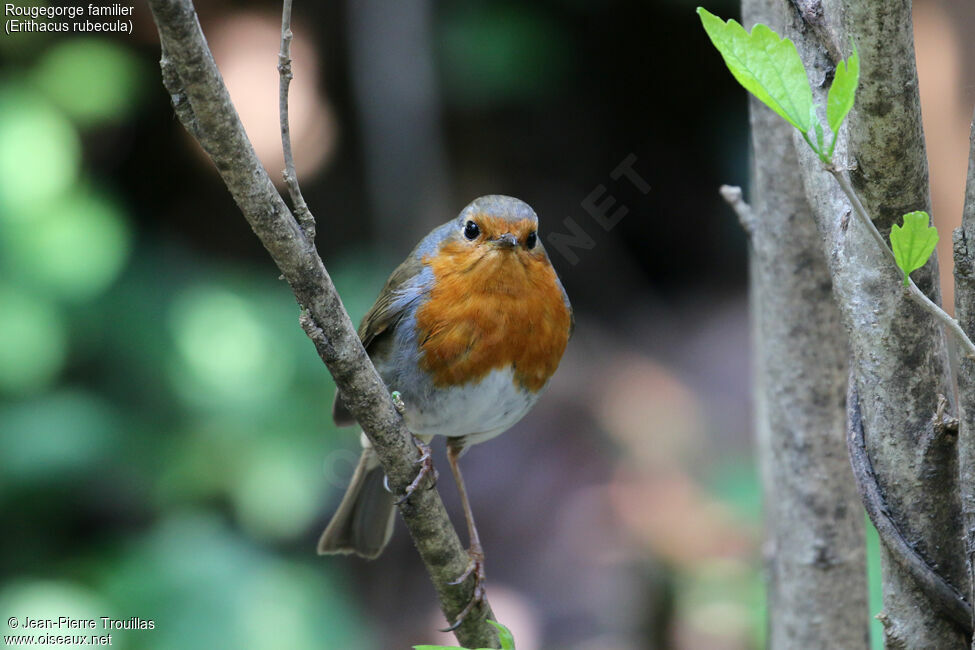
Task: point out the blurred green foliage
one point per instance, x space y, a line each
40 151
93 81
32 341
497 54
70 247
162 440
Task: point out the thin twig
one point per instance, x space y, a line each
732 196
302 213
942 594
918 296
860 211
912 289
192 78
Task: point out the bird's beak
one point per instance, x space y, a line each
506 240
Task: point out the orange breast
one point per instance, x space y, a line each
491 309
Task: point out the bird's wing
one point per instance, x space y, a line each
380 320
389 306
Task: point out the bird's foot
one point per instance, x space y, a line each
398 402
475 568
425 461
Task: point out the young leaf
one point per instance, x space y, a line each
913 242
767 66
839 101
504 634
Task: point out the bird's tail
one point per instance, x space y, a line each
363 523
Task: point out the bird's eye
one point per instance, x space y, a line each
531 240
471 231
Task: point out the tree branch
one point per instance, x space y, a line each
912 289
746 217
948 600
203 105
302 213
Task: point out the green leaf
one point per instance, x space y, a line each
839 101
504 634
913 242
767 66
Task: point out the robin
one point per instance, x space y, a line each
468 330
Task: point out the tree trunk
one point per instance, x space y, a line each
964 249
899 352
814 548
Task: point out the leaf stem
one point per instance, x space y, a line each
832 145
805 136
918 296
912 289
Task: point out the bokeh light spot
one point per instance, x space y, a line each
226 351
240 43
498 54
301 603
50 438
209 588
40 152
75 247
33 342
50 600
92 80
277 496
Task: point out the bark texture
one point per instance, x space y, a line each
814 549
899 352
203 105
964 249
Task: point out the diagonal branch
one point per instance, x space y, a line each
912 290
203 105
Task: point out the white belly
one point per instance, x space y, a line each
479 410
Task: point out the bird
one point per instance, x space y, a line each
467 331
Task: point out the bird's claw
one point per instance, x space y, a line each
425 461
475 568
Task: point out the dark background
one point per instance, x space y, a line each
167 450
